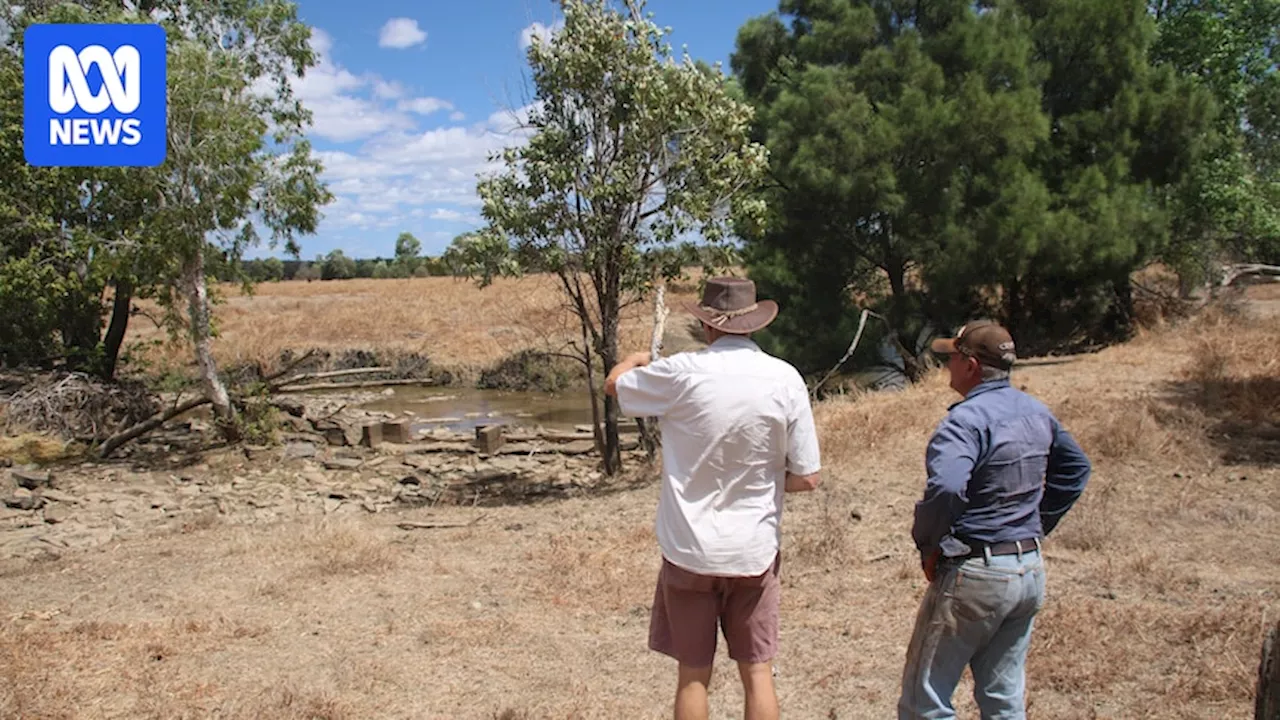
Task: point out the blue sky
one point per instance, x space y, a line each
410 97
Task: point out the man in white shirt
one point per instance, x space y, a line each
737 432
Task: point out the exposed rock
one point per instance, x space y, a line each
60 497
298 450
342 463
22 499
55 514
292 406
32 479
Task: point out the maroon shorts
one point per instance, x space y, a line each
688 606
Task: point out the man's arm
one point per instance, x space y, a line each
1068 472
803 483
804 459
628 363
950 459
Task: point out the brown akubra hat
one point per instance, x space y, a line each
729 305
983 340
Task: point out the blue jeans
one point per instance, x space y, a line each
977 612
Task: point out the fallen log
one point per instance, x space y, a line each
114 442
1231 273
333 374
352 385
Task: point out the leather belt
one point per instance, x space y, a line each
1012 547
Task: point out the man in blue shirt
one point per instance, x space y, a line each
1002 474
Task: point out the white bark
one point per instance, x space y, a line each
193 284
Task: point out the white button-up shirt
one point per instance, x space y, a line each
735 420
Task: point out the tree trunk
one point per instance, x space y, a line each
1267 705
193 281
612 450
116 330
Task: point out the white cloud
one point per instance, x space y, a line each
448 215
457 116
327 90
400 174
538 31
387 89
401 33
425 105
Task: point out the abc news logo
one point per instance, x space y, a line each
94 95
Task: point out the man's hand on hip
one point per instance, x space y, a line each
929 563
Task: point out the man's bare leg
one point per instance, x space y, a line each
757 685
691 693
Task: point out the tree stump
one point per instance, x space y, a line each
1268 704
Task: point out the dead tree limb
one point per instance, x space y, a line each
350 385
1231 273
334 374
289 368
114 442
862 325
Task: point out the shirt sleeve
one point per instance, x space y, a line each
803 455
648 391
950 459
1068 472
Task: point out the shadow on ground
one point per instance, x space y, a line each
1243 415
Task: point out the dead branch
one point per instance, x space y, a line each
416 525
290 367
333 374
1231 273
862 324
114 442
351 385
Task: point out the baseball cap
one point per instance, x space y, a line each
983 340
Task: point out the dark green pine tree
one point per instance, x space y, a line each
899 135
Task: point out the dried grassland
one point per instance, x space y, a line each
1161 580
451 321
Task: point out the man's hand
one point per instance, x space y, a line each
929 563
630 362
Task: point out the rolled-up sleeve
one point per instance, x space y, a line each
1068 472
648 391
803 455
950 459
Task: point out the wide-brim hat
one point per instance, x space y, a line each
729 305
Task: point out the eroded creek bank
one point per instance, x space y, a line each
180 478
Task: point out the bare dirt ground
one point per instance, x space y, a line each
1162 580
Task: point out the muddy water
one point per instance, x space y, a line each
465 408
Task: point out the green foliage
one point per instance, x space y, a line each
936 161
148 232
629 150
337 266
407 251
1229 203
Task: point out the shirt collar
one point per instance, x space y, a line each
984 387
734 341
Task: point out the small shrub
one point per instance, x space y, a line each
530 370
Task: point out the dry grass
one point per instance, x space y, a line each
451 321
34 448
1161 580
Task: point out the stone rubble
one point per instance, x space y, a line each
43 513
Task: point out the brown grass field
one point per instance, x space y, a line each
452 321
1161 581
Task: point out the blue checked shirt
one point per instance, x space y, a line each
1001 468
